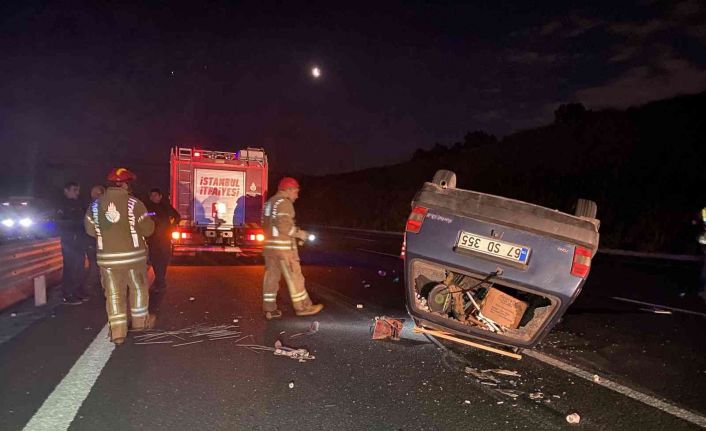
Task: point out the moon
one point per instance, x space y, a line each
316 72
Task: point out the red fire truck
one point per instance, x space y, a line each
220 196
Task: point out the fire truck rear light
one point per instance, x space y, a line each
260 237
416 219
185 235
197 153
582 262
252 237
175 235
403 253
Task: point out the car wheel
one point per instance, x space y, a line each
586 208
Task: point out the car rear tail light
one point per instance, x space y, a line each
582 262
403 253
416 218
175 235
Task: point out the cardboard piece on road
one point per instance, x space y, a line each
503 308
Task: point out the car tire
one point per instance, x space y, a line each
586 208
444 179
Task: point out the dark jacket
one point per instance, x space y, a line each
69 220
165 219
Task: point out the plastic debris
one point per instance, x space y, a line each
480 374
13 315
396 280
596 378
235 320
467 402
359 306
291 385
656 310
191 298
573 418
385 327
536 396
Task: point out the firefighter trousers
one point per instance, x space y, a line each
287 265
121 285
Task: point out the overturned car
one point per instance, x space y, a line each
491 268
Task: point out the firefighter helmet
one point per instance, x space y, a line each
121 175
288 183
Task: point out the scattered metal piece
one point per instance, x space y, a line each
503 372
510 393
536 396
302 355
488 383
656 310
156 342
186 344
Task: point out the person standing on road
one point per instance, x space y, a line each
93 282
160 243
281 253
69 217
120 223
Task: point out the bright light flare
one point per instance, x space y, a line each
175 235
312 237
316 72
8 222
26 222
260 237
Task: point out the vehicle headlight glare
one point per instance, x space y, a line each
8 222
26 222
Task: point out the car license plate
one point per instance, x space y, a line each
493 247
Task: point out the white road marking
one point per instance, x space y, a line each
623 390
59 410
378 252
665 307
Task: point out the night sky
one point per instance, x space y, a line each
83 82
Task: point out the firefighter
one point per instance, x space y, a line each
160 243
120 223
281 254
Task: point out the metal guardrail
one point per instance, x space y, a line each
27 261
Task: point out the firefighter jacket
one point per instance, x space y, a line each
279 226
120 223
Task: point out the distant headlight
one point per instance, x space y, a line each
26 222
312 237
8 222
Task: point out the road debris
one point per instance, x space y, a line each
386 328
480 374
536 396
359 306
191 298
313 329
596 378
573 418
291 385
382 273
199 332
13 314
503 372
467 402
510 393
302 355
186 344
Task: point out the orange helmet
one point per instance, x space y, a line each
121 175
287 183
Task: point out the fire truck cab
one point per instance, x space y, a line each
220 196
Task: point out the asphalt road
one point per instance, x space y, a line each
356 383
